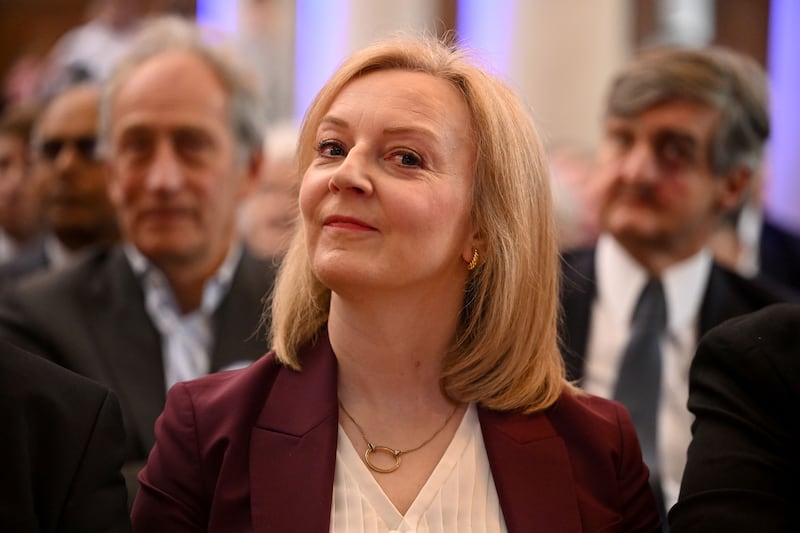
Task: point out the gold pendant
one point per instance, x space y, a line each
382 449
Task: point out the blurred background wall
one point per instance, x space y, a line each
558 54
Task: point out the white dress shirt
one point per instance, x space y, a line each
620 280
458 496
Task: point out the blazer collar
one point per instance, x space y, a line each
294 443
239 337
578 289
531 471
128 344
294 446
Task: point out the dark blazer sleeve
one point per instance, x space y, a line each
742 470
637 501
62 441
170 496
98 498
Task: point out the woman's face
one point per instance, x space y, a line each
386 201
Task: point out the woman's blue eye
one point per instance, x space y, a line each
330 149
409 159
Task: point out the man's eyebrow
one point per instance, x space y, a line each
682 136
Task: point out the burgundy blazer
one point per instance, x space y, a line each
255 450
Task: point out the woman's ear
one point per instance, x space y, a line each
475 245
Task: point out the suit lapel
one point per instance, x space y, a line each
293 447
128 346
530 467
238 336
578 291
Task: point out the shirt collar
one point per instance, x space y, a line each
620 280
214 288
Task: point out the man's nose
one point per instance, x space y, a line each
165 171
639 166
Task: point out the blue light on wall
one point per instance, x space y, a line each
487 28
321 37
783 180
217 14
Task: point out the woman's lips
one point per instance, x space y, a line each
347 223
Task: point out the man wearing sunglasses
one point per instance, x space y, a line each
71 180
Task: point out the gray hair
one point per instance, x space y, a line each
728 81
173 33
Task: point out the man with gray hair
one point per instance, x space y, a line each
180 297
684 133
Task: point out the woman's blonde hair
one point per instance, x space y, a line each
505 355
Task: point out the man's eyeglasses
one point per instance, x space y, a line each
86 146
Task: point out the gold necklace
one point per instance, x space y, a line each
396 454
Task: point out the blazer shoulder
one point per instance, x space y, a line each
767 336
68 279
223 395
588 411
29 376
754 292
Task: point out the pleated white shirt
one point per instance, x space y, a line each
458 496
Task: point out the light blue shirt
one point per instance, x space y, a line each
187 339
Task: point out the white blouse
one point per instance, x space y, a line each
458 496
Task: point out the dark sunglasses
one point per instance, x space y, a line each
86 146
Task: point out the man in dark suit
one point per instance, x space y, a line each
744 388
71 182
779 254
62 445
683 136
180 297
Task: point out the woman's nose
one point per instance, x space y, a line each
355 174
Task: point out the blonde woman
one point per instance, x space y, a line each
415 382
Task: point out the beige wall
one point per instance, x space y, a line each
565 55
565 52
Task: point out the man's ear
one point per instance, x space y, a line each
734 187
252 173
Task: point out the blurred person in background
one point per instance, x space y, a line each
72 184
267 217
180 296
684 134
88 53
20 217
575 195
749 242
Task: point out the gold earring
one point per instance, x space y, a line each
475 257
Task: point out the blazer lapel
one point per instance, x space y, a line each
238 335
530 467
578 291
128 345
293 446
